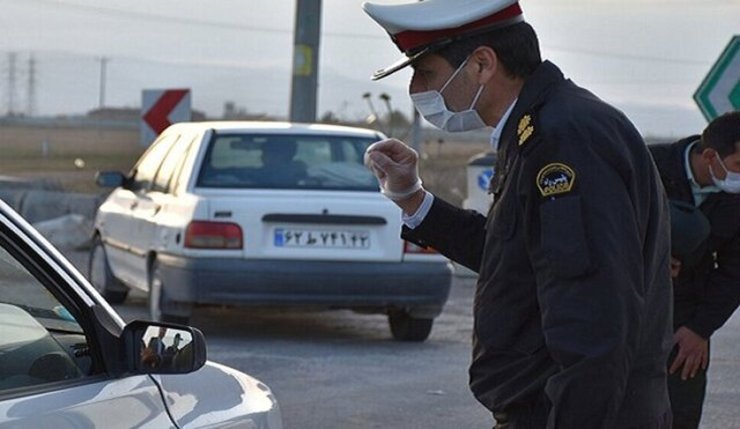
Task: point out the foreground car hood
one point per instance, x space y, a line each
217 396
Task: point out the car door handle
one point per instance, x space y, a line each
157 208
134 205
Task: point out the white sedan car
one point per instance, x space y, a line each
68 361
263 213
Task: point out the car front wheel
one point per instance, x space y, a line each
160 309
404 327
100 275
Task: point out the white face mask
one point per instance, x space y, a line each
431 105
731 182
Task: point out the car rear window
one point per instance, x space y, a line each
259 161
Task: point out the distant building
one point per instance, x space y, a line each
130 114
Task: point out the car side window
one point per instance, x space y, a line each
147 167
177 175
163 181
40 339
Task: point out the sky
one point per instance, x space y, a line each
646 57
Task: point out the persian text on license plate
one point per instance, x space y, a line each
290 237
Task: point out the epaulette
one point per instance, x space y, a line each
525 129
527 132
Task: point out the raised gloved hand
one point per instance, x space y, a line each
396 166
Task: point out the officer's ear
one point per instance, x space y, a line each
709 156
708 153
485 63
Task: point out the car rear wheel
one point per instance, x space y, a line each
404 327
160 309
100 275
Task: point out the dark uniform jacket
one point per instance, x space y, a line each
573 302
707 292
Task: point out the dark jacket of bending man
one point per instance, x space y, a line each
573 301
704 172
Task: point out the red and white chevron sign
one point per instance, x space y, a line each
161 108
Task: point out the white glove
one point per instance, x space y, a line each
396 166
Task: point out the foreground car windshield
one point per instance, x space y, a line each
287 162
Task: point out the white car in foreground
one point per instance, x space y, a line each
263 213
68 361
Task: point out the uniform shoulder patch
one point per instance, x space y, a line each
525 129
556 178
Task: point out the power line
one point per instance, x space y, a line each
74 56
159 18
630 57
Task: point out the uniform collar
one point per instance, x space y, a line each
687 165
496 135
533 92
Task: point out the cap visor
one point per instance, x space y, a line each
398 65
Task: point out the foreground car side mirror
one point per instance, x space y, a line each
164 348
110 179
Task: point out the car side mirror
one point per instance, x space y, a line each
110 179
164 348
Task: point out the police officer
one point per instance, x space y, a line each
702 172
572 305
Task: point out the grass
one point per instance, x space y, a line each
68 156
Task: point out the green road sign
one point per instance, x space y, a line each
720 91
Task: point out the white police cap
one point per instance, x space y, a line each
421 27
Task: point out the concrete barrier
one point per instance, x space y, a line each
71 231
64 218
37 206
13 198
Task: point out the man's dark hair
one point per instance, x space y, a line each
282 149
722 134
516 47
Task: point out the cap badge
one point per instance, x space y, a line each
555 178
525 129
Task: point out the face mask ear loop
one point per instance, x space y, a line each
454 74
477 96
721 163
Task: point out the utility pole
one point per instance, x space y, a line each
416 131
11 82
307 33
103 64
31 101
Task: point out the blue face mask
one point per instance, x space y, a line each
731 182
431 105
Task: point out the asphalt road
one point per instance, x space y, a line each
342 370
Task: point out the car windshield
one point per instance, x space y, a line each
287 162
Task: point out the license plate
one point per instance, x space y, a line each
324 239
